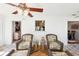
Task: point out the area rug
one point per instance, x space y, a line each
20 53
63 53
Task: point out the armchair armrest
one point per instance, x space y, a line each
17 43
61 44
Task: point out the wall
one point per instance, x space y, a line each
55 25
55 21
1 29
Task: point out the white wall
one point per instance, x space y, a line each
55 25
1 29
8 28
55 21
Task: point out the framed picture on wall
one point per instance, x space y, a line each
16 25
39 25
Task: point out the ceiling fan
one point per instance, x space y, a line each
24 7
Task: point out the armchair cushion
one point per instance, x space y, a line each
24 45
26 38
54 46
52 38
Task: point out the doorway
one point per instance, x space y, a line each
73 32
16 25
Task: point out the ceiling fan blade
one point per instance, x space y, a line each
29 14
12 4
36 9
15 12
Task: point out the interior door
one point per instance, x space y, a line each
16 30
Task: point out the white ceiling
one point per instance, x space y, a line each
50 9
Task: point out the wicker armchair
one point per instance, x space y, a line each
25 43
53 43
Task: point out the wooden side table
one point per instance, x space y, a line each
40 46
35 46
40 50
43 43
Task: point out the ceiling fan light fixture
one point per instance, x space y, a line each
23 9
25 12
19 10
